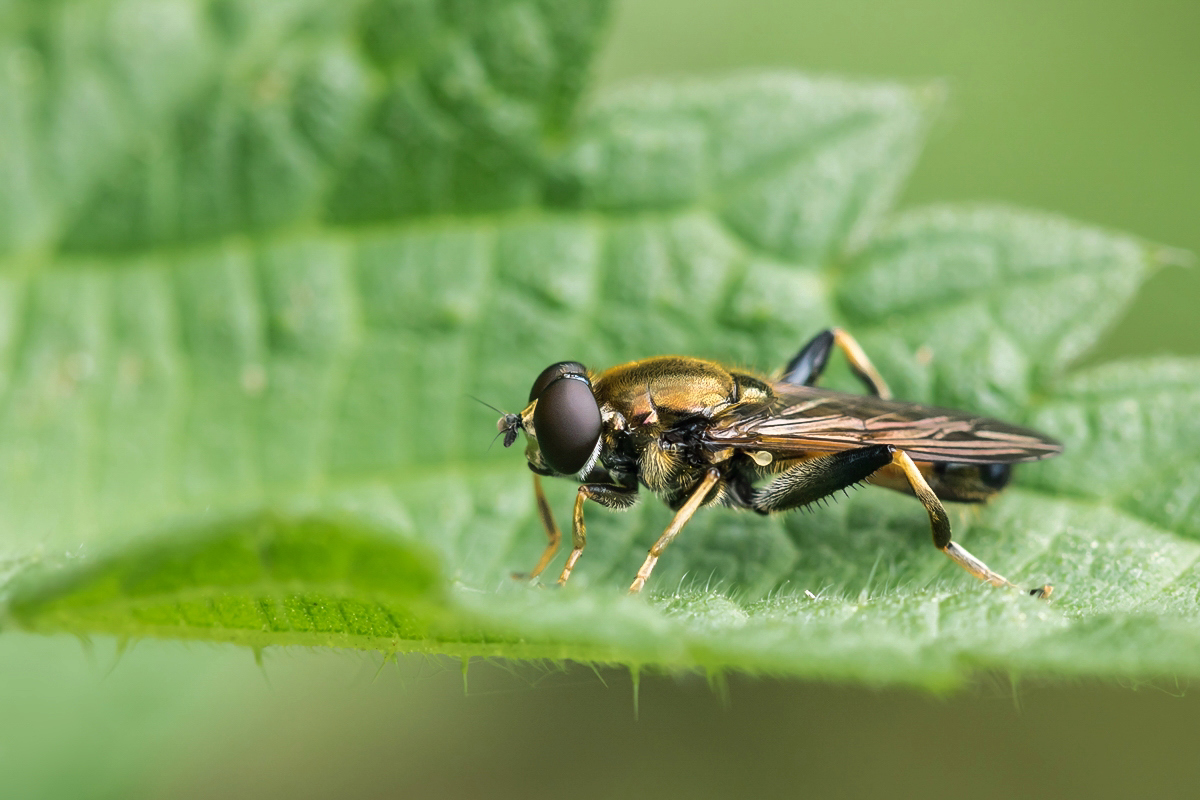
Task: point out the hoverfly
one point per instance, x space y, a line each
696 433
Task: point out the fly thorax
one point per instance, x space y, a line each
660 467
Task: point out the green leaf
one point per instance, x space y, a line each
255 258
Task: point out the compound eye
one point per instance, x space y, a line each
567 422
553 373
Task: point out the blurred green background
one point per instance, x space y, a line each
1091 110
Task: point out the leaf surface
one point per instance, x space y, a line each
257 261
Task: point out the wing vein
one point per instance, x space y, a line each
805 419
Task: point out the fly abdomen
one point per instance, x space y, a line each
969 483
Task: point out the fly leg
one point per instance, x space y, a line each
553 534
615 497
681 517
811 480
806 367
940 523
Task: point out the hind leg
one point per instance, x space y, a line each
806 367
940 524
809 481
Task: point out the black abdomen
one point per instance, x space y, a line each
969 483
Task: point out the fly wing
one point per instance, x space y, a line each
805 419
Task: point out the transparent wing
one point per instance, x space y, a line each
805 419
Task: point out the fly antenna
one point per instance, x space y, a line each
488 405
508 427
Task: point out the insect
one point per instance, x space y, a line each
696 433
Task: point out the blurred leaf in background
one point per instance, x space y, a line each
1087 112
256 256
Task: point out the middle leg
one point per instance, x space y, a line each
697 498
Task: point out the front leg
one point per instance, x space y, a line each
616 497
553 534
